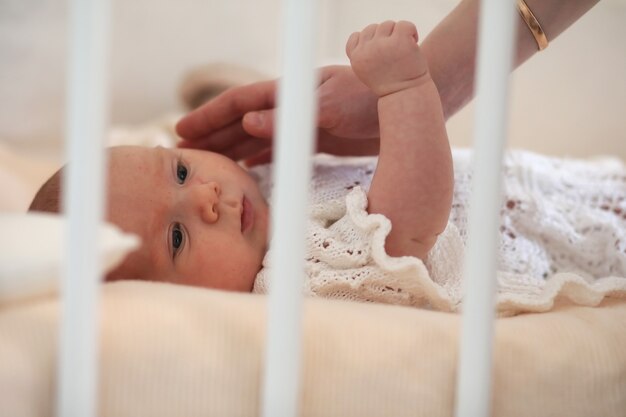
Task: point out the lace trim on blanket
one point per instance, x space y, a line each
563 237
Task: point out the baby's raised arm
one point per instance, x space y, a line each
414 179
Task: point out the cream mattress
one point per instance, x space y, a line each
170 350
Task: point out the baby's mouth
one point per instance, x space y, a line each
247 215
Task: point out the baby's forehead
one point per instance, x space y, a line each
135 182
136 202
125 161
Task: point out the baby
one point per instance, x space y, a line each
204 220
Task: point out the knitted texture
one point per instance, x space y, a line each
562 237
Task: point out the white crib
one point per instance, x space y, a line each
282 376
78 363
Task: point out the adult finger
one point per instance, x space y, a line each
247 149
226 108
218 141
263 157
339 146
259 123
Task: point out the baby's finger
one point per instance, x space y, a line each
404 28
385 28
353 41
368 32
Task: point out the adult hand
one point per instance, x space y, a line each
239 123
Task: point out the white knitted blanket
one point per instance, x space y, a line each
563 237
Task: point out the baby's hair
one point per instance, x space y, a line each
48 198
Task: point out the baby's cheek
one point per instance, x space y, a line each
249 268
230 268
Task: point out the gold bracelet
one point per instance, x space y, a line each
533 24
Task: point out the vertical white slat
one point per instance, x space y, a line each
495 53
83 203
294 145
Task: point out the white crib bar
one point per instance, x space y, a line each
85 125
495 52
296 115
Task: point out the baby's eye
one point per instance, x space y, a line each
178 238
181 173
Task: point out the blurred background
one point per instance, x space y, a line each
568 100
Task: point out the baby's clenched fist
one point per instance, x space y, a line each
386 57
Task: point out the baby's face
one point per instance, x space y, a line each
202 218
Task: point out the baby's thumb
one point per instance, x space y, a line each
259 123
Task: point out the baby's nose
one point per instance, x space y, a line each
207 198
